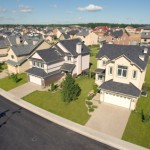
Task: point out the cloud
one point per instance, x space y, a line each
80 18
25 9
90 8
2 18
2 10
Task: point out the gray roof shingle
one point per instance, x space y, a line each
67 67
132 52
70 45
41 73
127 89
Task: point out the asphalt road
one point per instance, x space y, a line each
23 130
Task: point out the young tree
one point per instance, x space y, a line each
70 89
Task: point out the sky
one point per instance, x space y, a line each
74 11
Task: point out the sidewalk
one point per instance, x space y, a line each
98 136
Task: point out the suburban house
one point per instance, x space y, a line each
145 36
4 47
18 56
120 73
51 64
88 37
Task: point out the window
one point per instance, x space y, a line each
110 70
122 71
104 62
37 64
145 40
69 58
134 74
100 77
33 63
12 56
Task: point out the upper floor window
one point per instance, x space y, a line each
104 62
100 77
110 70
134 75
37 64
12 56
122 71
69 58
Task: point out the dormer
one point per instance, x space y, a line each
142 57
145 51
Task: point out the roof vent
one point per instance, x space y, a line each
145 50
142 57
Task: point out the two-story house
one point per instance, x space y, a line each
66 56
145 36
120 73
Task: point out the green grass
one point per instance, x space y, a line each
75 111
136 131
8 84
93 61
147 78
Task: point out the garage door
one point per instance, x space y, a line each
36 80
117 100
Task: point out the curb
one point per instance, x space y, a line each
85 131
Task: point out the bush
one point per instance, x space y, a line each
91 109
89 103
95 88
89 97
94 106
14 77
53 87
146 86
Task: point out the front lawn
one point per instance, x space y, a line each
8 84
136 131
75 111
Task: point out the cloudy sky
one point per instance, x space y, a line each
74 11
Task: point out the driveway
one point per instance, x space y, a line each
25 89
109 119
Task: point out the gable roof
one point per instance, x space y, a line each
70 45
21 50
127 89
132 52
50 55
83 33
3 42
145 35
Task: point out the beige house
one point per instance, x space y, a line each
66 56
145 36
120 73
88 37
18 56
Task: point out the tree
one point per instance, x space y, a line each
53 87
70 89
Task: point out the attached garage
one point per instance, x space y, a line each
35 80
117 100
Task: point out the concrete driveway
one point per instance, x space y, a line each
25 89
109 119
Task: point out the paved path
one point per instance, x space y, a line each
109 119
3 74
23 130
25 89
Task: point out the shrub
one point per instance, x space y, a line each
146 86
95 88
14 77
53 87
89 98
91 109
89 103
94 106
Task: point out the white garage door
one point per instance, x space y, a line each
117 100
36 80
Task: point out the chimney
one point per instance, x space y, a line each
142 57
145 50
79 47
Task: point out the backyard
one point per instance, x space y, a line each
8 84
136 131
75 111
93 61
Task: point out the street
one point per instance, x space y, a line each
23 130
